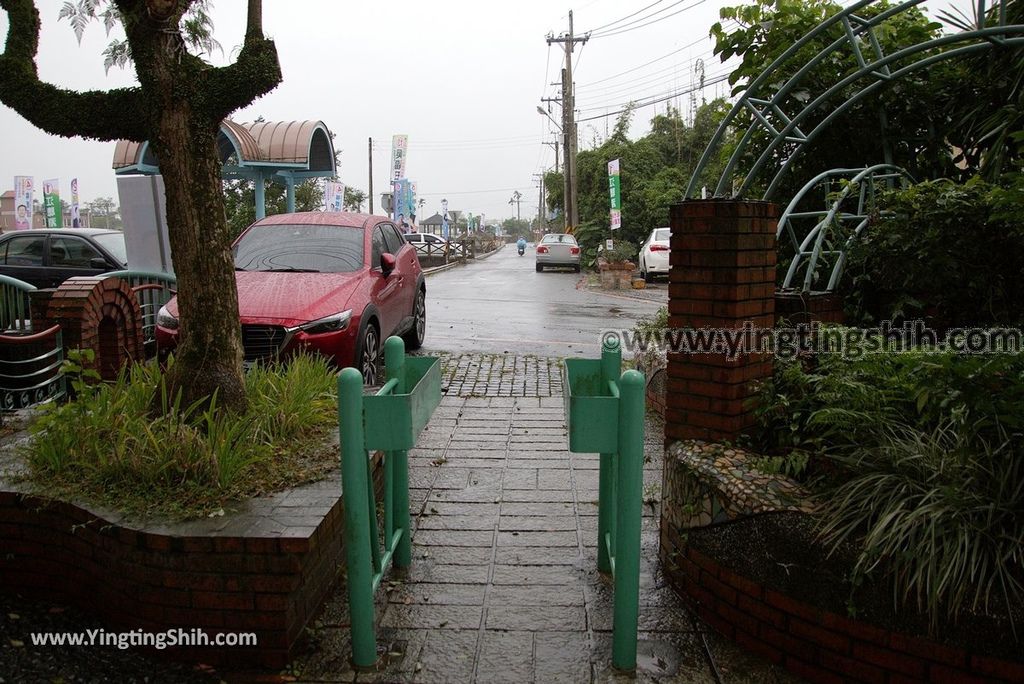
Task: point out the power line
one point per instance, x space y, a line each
618 21
641 66
468 192
649 92
640 105
655 21
654 76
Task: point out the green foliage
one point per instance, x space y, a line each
621 251
952 254
939 513
654 171
924 460
134 445
910 116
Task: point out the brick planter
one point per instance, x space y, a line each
265 569
816 644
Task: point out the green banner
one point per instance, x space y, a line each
51 203
615 194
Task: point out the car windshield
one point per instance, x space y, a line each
662 234
558 237
113 243
303 248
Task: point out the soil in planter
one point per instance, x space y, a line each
780 551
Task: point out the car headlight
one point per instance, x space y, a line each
333 323
165 320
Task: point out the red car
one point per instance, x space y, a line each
331 283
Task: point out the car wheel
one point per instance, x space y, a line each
576 268
414 338
368 356
539 268
645 274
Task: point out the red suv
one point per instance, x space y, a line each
332 283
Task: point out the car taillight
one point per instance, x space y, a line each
574 250
659 248
542 250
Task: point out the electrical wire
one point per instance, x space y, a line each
655 21
652 77
611 28
618 21
641 66
640 105
714 77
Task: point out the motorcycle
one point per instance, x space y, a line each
521 245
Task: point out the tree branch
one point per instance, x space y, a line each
256 72
113 115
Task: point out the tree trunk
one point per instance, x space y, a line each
209 356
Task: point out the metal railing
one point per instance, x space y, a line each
604 414
152 290
388 421
30 368
15 306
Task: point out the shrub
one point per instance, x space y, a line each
132 445
952 254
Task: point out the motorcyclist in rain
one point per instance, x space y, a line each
521 245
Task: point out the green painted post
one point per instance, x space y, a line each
394 362
628 517
354 482
611 366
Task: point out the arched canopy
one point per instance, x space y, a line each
263 150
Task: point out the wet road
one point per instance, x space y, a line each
501 304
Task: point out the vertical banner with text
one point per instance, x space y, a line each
51 203
22 202
334 196
615 194
76 217
399 147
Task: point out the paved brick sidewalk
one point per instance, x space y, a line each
503 586
500 375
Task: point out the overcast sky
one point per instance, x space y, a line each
461 79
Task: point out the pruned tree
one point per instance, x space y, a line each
178 107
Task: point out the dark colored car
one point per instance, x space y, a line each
331 283
46 257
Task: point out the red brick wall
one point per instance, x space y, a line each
817 645
134 579
722 276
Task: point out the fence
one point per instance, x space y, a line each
389 421
604 413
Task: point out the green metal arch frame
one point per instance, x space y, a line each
1001 35
812 246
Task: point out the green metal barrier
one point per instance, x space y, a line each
389 421
605 414
153 290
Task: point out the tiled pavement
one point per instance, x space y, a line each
503 585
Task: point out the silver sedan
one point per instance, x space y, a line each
558 249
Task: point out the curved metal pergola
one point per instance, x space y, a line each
832 221
770 117
284 151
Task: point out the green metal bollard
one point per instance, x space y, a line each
611 366
629 513
394 362
354 482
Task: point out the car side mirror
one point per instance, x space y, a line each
387 264
98 263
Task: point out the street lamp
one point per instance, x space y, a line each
543 112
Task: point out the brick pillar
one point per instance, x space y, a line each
722 276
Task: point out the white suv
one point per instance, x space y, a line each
428 244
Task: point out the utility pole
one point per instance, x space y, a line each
540 204
516 198
554 145
371 174
569 124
